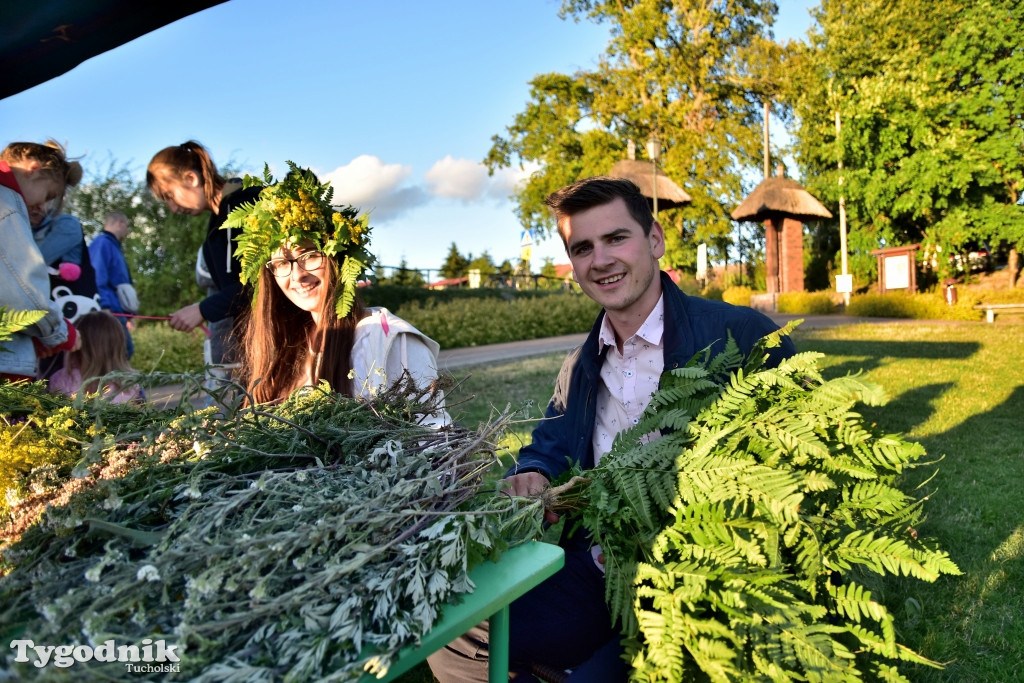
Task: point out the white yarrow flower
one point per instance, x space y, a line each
147 572
93 573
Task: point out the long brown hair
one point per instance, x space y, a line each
103 350
177 160
278 336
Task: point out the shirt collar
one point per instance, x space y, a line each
652 330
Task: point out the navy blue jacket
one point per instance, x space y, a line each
230 299
691 325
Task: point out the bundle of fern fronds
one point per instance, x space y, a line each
300 541
740 543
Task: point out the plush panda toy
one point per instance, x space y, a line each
74 306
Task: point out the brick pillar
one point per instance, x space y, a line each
772 227
791 256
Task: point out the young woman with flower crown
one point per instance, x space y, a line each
307 324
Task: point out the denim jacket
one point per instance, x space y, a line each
24 286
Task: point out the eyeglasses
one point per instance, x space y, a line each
282 267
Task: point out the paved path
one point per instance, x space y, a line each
494 353
453 359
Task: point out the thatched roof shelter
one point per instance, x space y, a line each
780 195
670 195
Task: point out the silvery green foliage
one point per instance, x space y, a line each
300 542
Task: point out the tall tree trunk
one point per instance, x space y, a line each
1012 266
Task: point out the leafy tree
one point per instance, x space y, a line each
505 271
484 263
932 118
549 275
455 264
405 276
692 73
161 247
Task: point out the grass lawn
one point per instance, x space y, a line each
958 388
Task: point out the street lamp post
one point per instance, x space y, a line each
653 151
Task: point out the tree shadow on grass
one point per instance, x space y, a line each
974 510
873 352
909 410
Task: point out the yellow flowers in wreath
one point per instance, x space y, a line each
295 210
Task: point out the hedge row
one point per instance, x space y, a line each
394 298
469 322
919 306
452 321
805 303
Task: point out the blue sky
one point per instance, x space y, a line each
394 101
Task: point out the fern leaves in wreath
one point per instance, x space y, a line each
735 544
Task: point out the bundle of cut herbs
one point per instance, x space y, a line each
263 543
740 544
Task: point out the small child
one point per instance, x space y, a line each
103 350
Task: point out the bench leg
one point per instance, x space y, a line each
497 658
990 315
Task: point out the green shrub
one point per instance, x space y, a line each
469 322
688 284
158 347
713 293
998 296
393 297
805 303
737 296
918 306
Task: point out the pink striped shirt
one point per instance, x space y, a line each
628 379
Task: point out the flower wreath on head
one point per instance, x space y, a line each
295 210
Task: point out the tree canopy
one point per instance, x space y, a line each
932 121
694 74
455 264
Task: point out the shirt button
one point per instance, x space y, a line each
629 373
636 420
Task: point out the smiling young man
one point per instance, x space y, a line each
647 326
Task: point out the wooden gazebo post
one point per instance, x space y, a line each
783 205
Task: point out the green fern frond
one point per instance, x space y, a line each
855 601
15 321
884 645
885 673
726 533
884 555
756 358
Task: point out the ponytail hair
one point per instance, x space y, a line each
178 160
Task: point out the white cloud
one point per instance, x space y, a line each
467 180
507 180
371 185
450 178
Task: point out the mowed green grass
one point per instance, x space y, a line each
958 388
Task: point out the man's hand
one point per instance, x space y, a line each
530 484
186 319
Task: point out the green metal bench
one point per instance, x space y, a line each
497 584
